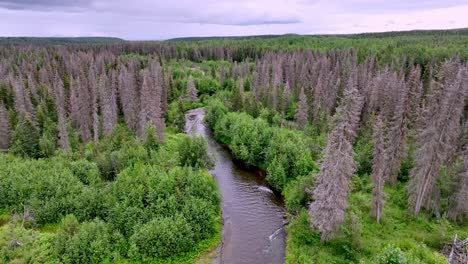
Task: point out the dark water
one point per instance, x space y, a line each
253 216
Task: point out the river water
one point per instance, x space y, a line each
253 223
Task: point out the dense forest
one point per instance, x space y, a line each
365 137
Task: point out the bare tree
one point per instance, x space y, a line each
327 211
129 97
20 103
460 205
4 128
285 97
150 106
437 136
191 90
302 110
93 86
396 134
378 168
108 103
63 140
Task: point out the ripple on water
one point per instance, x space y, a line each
253 216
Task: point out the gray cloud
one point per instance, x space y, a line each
45 5
385 6
162 19
243 21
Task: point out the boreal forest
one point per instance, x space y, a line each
359 143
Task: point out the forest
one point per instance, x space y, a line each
364 138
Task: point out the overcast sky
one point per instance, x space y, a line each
158 19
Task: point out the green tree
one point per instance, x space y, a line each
25 138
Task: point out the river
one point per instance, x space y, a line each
253 216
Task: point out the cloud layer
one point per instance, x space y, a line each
160 19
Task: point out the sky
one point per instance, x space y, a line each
164 19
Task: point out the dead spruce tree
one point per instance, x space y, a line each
128 97
459 208
93 86
378 168
327 211
150 106
4 128
107 99
191 90
285 97
63 139
438 132
396 134
302 110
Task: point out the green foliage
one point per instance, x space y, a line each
161 238
392 255
151 141
89 242
48 140
288 150
286 154
87 172
207 85
48 187
364 151
25 138
176 115
363 240
110 221
193 152
246 137
214 112
296 193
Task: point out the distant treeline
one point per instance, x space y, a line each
57 40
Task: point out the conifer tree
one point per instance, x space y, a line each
4 128
108 102
459 208
437 136
302 110
128 97
378 168
63 139
285 97
337 165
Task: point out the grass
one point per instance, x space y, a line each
361 240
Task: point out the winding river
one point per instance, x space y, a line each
253 223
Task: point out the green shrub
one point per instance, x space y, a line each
296 195
48 140
90 242
87 172
176 115
47 186
25 139
193 152
207 85
392 255
151 142
214 112
161 238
